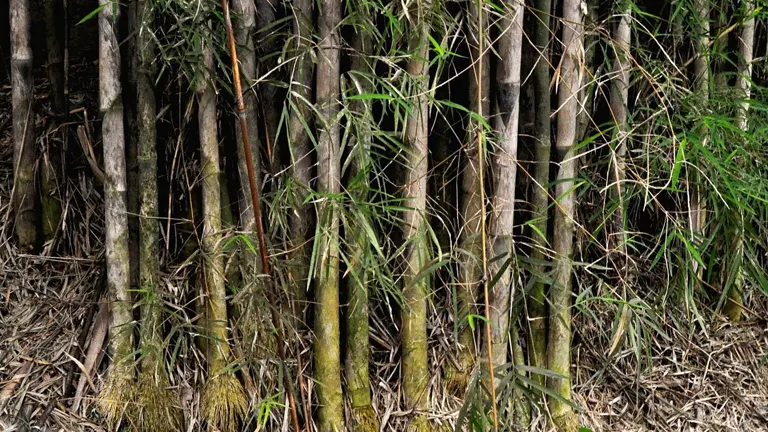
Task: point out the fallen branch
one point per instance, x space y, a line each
94 349
85 144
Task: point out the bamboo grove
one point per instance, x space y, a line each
322 213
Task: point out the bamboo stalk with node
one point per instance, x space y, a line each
327 349
697 212
504 173
223 400
300 147
559 344
472 207
118 392
245 28
24 149
358 347
159 409
51 168
250 315
415 367
619 98
734 306
536 302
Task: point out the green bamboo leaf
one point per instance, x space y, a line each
679 157
93 13
436 45
370 96
690 248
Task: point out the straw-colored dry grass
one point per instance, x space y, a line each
117 399
156 405
224 403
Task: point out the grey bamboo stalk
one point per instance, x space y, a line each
743 82
589 85
245 27
245 30
415 372
472 207
223 399
619 98
117 393
358 344
559 344
504 171
327 341
540 195
697 214
24 150
159 409
299 120
265 19
734 307
50 168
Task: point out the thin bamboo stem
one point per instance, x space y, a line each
481 172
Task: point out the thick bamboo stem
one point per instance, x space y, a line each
415 367
559 344
24 150
327 335
117 392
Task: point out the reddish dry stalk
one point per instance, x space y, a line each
256 208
